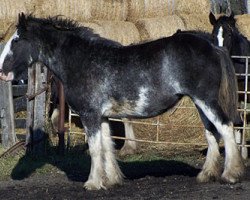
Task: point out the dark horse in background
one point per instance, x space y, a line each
103 79
227 35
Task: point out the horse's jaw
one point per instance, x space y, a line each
8 77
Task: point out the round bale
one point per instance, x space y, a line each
9 9
84 10
243 22
154 28
125 33
196 22
109 10
192 7
149 8
73 9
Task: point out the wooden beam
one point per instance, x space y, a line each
37 76
7 113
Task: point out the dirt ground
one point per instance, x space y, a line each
159 180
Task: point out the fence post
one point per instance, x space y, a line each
7 112
61 128
37 76
7 115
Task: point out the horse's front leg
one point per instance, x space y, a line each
92 128
104 170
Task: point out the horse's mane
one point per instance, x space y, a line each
61 23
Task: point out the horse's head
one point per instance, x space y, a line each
17 54
223 29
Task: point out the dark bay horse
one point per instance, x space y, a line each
103 79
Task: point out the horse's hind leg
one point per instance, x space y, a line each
234 167
211 169
111 168
129 146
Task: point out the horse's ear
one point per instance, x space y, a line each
229 12
22 21
212 18
232 19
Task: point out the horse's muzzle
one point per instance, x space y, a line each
8 77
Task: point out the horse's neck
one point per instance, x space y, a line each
238 47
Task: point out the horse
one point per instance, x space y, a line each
102 79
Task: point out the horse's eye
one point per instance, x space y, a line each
15 41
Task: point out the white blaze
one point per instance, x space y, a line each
7 50
220 37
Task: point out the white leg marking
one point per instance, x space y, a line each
234 167
210 169
129 146
54 118
113 172
95 180
220 37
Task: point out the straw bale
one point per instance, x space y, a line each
149 8
83 10
109 10
192 6
154 28
9 9
196 22
75 9
6 28
123 32
243 23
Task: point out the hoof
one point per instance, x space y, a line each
235 174
127 150
91 185
231 177
207 176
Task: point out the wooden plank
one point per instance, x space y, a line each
20 123
36 109
19 90
7 115
30 108
7 112
20 104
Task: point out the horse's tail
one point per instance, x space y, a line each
228 97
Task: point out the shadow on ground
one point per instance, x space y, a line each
76 166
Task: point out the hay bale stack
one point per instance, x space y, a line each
243 22
84 10
149 8
192 7
196 22
123 32
154 28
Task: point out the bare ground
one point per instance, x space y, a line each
152 180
